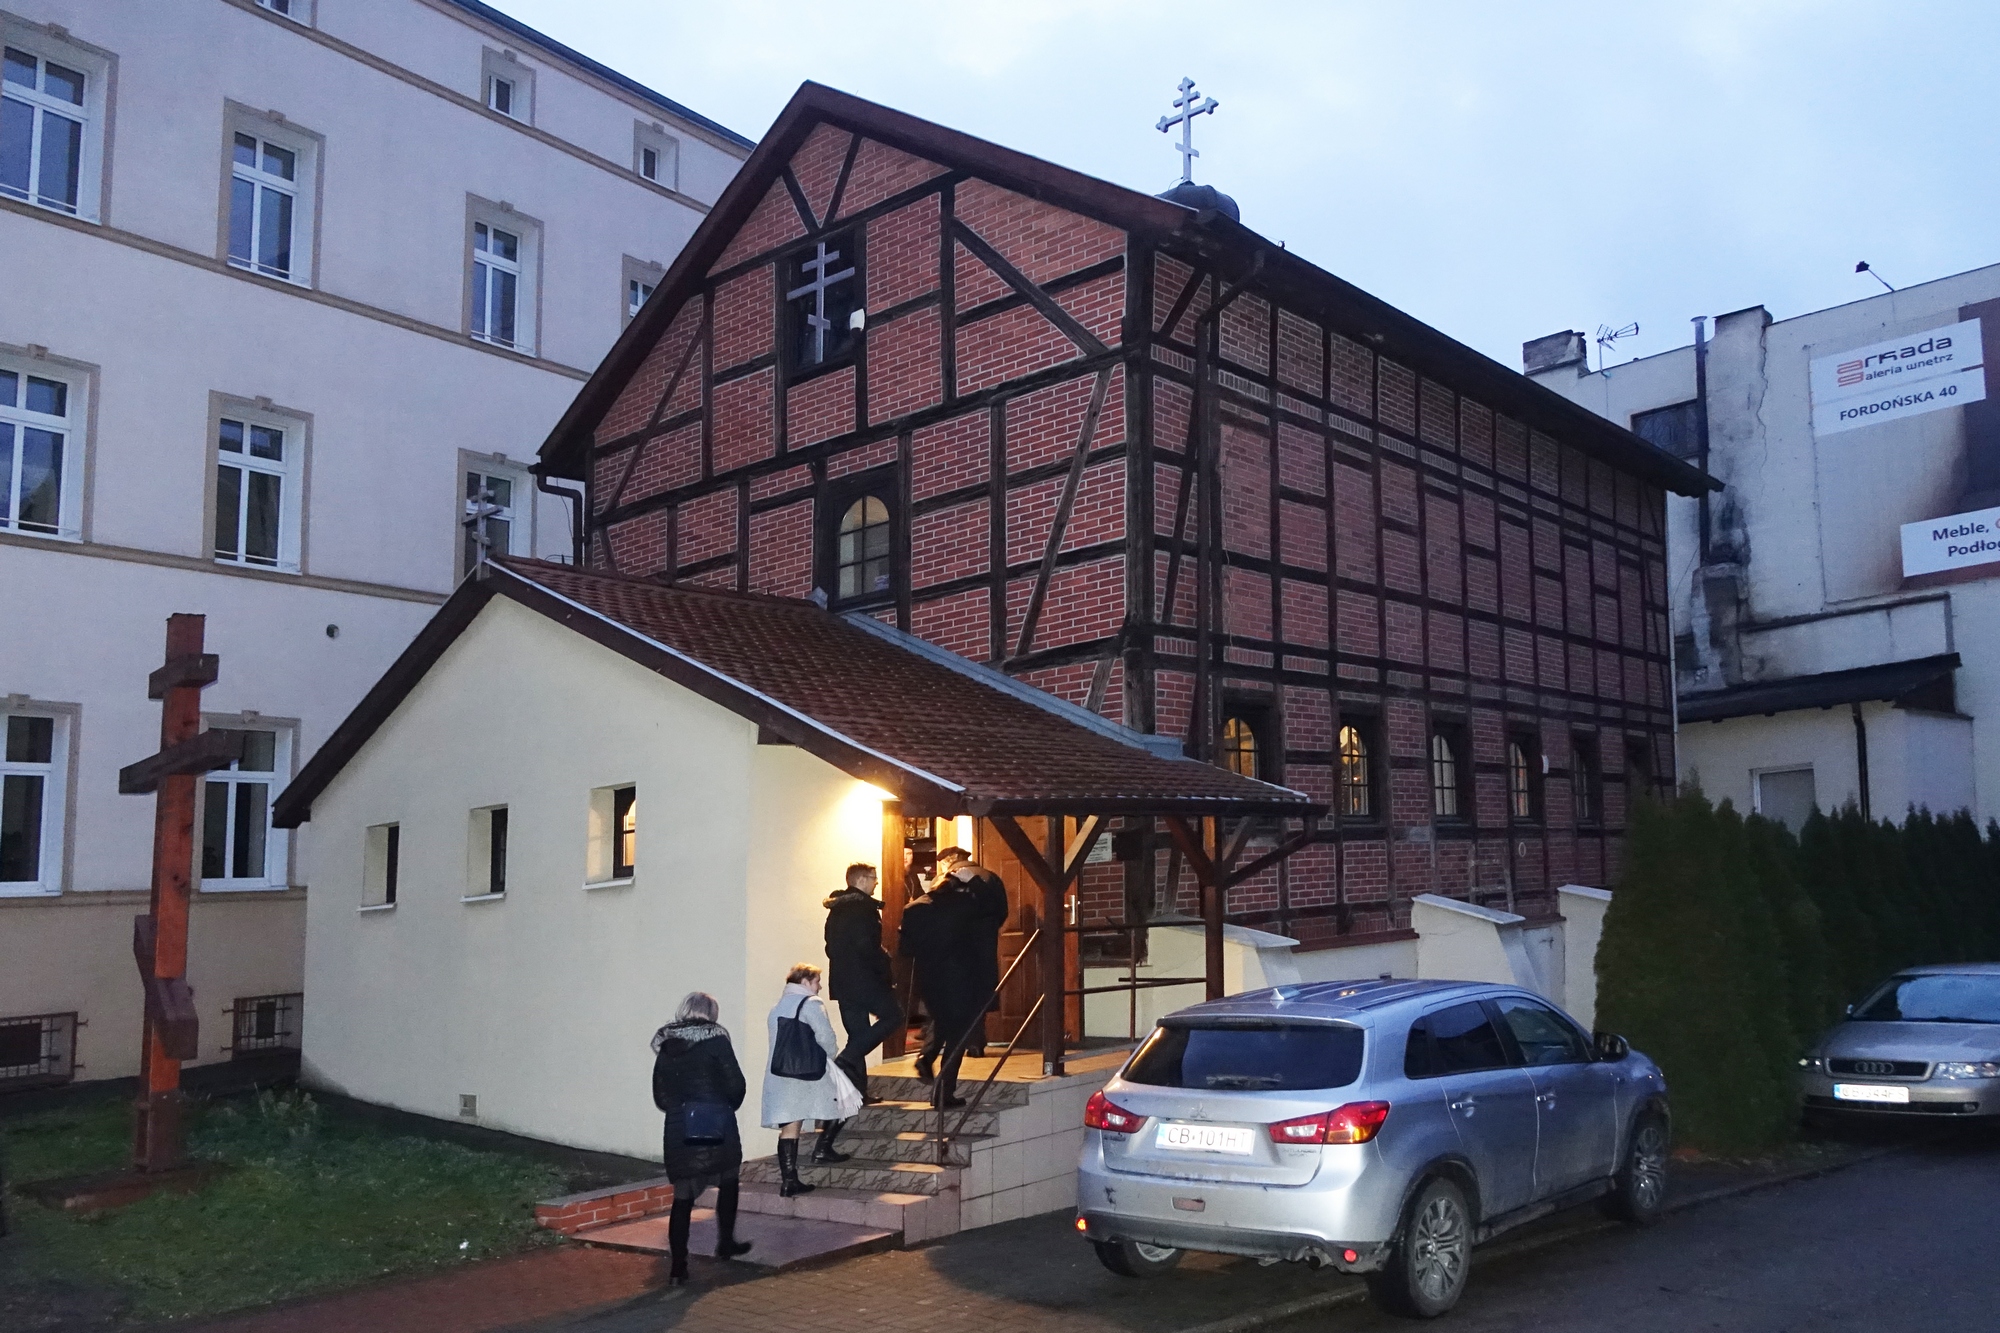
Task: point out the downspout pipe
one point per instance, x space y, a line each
1701 423
575 500
1861 759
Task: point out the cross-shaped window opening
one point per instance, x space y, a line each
822 297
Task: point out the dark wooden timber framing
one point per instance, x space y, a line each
1601 497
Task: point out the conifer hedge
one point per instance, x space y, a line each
1730 945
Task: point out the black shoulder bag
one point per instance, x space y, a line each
797 1052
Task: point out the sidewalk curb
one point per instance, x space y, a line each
1356 1291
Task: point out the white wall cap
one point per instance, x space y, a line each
1585 891
1486 914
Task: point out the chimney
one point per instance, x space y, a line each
1554 352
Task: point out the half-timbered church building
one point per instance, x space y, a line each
1184 579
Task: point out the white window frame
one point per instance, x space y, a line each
290 471
653 138
55 775
302 189
479 855
497 67
96 67
71 425
1757 776
381 867
519 513
636 274
298 11
600 851
277 842
481 266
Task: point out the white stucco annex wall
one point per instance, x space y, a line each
541 1004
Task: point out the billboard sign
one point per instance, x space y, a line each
1957 541
1903 377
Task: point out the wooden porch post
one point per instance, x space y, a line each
1211 910
1055 971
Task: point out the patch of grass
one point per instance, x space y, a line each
310 1203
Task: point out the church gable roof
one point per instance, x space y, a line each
883 154
936 735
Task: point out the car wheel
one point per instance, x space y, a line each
1428 1265
1639 1190
1132 1258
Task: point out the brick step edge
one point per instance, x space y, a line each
571 1213
903 1089
919 1217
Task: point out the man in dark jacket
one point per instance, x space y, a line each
940 934
989 916
858 976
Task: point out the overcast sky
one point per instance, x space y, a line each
1500 171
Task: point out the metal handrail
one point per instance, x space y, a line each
946 1137
957 1048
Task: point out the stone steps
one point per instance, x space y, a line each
893 1175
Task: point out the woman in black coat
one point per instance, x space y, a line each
699 1085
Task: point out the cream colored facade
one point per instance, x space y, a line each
540 1004
366 354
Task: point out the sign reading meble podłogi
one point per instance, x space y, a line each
1905 377
1957 541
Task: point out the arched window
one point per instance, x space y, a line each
861 549
1520 780
1239 746
1586 781
1444 777
1357 795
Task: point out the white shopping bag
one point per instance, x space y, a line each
845 1095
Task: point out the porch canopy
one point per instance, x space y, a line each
940 735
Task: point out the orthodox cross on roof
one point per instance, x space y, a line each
1190 104
819 266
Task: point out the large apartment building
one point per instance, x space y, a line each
292 291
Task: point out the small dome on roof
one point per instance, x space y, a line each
1189 195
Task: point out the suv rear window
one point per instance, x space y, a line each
1274 1058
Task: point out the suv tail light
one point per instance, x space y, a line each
1356 1122
1100 1112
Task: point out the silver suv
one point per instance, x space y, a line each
1380 1127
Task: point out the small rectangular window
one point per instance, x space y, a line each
33 796
37 1051
262 1024
1787 796
486 853
1451 796
649 163
656 154
613 852
636 293
381 864
1676 429
496 284
507 85
239 847
1586 776
1524 778
641 280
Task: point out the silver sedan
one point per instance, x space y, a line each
1926 1042
1377 1127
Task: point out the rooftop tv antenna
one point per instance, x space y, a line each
1862 267
1607 338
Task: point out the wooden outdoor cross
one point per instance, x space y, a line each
160 937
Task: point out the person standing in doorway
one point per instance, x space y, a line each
793 1093
939 935
858 975
699 1085
988 913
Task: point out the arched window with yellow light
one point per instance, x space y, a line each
863 549
1238 751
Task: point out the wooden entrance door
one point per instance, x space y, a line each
1024 913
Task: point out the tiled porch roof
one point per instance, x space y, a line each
941 739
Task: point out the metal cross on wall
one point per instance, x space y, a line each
1190 104
823 259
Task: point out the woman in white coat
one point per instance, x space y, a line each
790 1101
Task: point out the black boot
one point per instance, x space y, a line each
789 1183
678 1224
726 1244
824 1152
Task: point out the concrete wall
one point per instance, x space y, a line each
541 1004
1805 573
138 311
